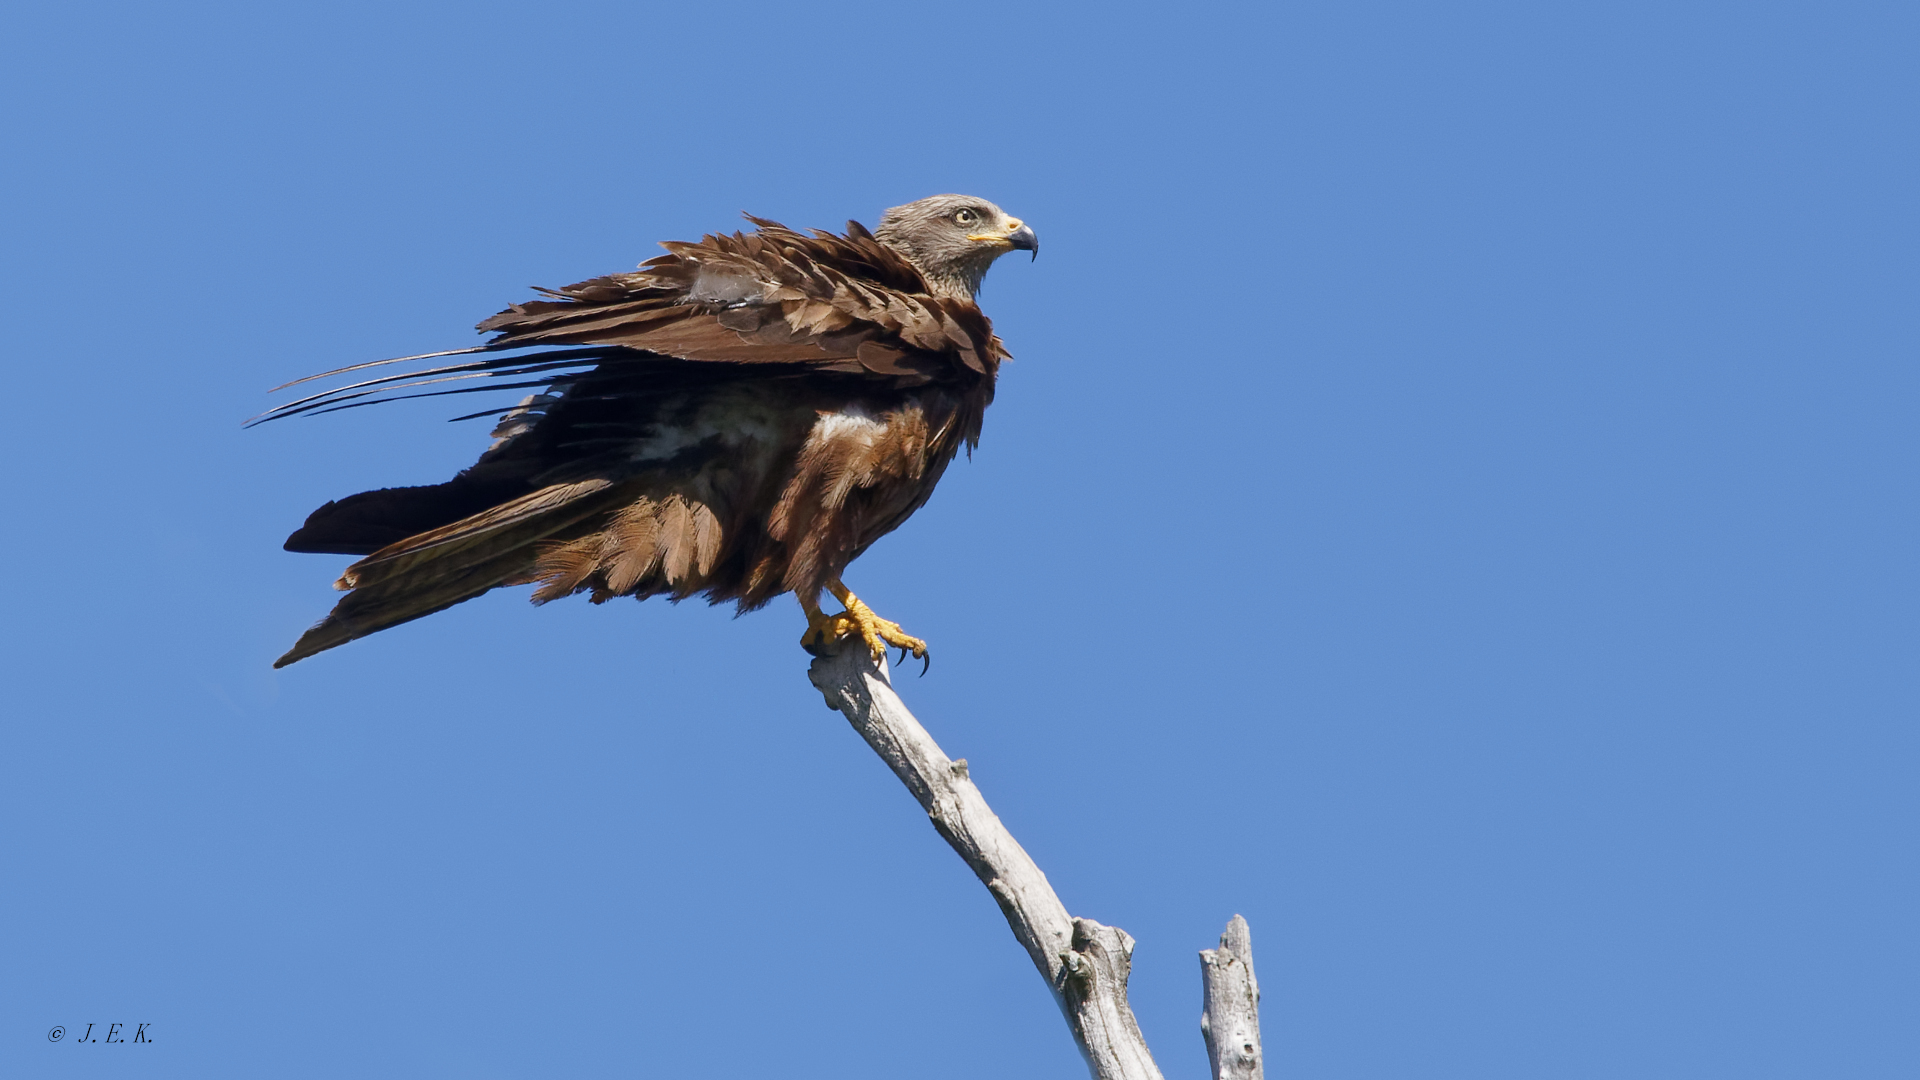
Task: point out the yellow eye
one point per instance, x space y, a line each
965 217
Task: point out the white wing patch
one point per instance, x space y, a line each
854 434
853 423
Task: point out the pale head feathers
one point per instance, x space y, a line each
953 239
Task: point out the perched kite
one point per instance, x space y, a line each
740 417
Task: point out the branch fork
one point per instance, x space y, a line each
1084 963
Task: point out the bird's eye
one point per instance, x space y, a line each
965 217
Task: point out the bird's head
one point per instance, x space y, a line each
952 239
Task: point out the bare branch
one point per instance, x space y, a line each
1085 964
1230 1022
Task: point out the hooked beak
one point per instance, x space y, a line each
1018 237
1022 239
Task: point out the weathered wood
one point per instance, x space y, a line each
1230 1022
1085 964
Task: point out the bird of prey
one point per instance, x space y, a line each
740 417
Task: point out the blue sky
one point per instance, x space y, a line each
1454 503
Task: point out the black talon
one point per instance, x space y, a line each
926 661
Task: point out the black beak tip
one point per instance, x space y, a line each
1023 239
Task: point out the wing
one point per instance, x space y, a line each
762 304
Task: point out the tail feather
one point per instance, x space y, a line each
363 524
367 611
441 567
453 548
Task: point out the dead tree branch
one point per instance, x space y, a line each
1230 1022
1085 964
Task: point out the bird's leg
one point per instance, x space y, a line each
876 632
821 627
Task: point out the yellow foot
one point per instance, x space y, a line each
860 621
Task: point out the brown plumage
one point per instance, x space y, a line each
739 418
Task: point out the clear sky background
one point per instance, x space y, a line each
1454 503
